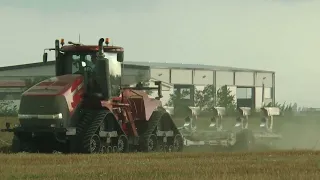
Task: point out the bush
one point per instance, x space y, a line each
205 99
285 109
226 99
8 109
176 97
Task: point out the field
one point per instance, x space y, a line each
276 165
293 157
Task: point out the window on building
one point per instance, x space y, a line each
185 91
244 93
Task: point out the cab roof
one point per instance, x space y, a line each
83 48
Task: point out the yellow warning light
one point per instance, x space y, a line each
107 41
62 42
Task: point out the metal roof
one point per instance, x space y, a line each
51 63
192 66
143 65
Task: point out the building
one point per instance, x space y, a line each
245 84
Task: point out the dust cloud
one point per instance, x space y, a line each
300 133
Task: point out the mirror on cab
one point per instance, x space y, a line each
120 56
45 57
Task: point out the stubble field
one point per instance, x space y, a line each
296 156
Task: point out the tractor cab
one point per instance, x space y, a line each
99 65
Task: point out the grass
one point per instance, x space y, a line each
298 132
224 166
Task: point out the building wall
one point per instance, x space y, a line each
244 79
199 78
178 76
181 76
203 77
234 79
267 81
267 96
224 78
129 74
160 74
32 71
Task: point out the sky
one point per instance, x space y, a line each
277 35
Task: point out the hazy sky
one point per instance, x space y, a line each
278 35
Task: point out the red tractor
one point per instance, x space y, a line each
84 109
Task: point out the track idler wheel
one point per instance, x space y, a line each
152 143
115 149
123 144
103 149
95 144
109 149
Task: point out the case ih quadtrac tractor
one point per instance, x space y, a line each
84 109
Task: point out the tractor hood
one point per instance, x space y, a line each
55 86
55 97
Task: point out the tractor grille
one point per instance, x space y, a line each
43 105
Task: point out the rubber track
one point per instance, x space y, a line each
154 121
93 128
152 125
85 122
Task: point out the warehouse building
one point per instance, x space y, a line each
245 84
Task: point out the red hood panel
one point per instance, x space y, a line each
55 85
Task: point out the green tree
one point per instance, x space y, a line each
205 99
7 108
226 99
176 97
199 100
